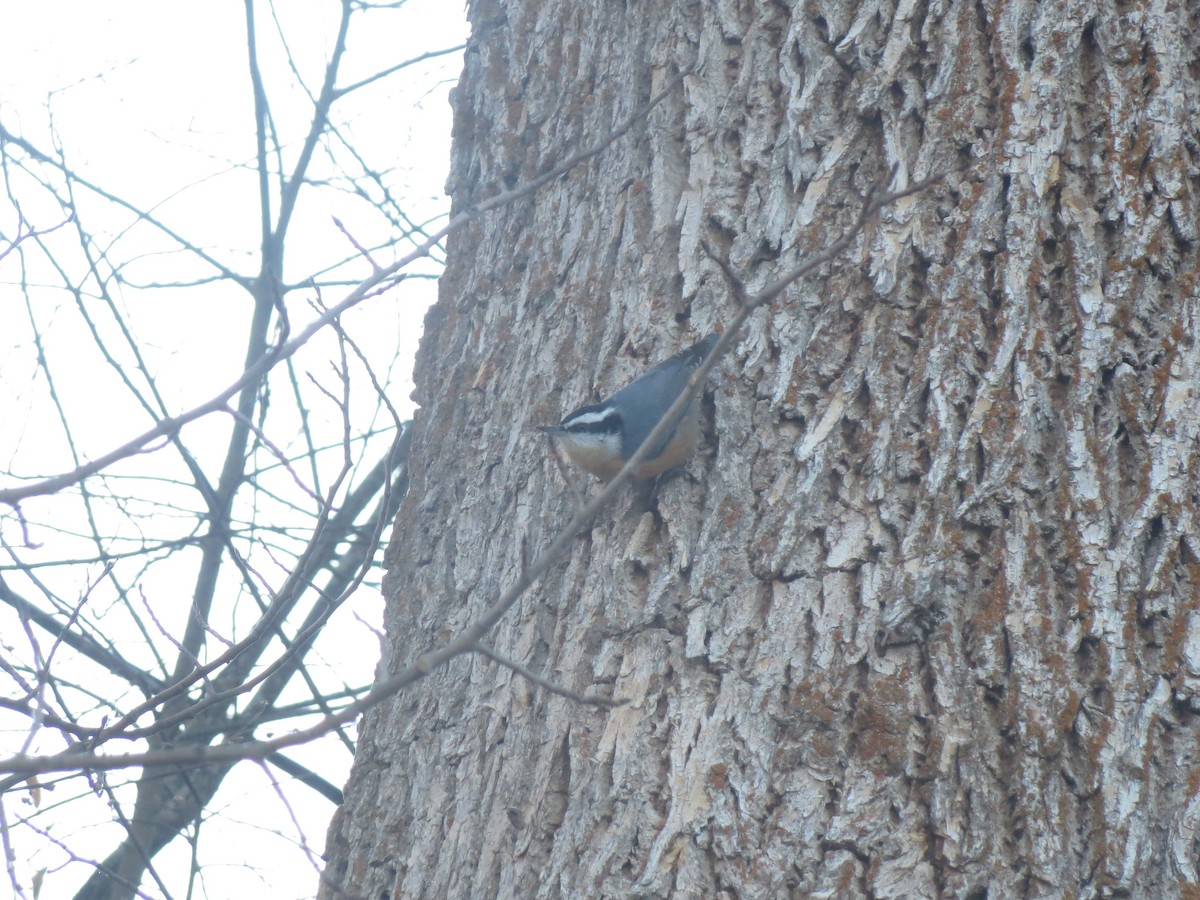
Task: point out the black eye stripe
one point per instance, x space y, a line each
605 427
592 421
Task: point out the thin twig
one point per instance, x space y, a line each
362 251
468 640
541 682
172 424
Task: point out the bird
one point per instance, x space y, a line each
601 437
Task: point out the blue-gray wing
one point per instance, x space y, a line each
644 401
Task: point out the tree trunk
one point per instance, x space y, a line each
922 617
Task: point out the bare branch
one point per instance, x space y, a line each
432 54
23 235
468 639
7 136
541 682
173 424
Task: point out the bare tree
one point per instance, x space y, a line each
179 524
921 619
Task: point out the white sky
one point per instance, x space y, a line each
150 100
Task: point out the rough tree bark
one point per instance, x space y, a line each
922 618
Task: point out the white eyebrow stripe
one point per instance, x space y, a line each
592 417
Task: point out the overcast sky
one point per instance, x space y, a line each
150 101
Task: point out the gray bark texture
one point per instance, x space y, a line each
921 618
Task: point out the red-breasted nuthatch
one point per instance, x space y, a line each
601 438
